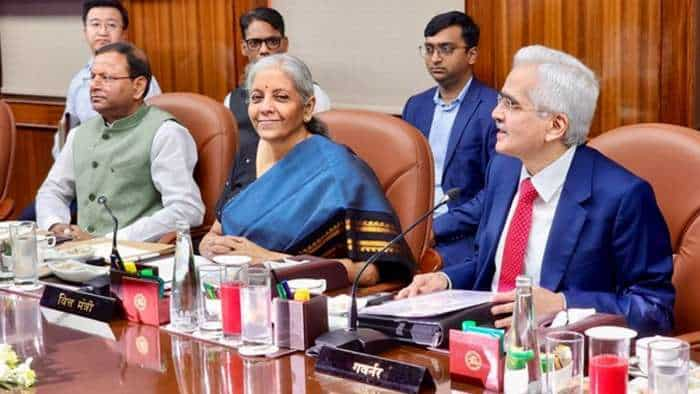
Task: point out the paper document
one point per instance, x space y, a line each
432 304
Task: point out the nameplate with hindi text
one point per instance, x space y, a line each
79 303
377 371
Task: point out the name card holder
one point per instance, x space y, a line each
91 306
476 359
377 371
299 323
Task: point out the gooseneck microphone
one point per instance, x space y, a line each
115 259
365 339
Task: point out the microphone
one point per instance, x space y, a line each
115 259
366 339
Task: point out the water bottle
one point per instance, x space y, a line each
522 374
183 296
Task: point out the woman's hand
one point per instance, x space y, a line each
215 243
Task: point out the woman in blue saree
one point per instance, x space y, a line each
309 195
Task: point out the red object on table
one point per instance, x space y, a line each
231 307
608 374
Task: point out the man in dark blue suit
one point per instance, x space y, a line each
455 116
587 231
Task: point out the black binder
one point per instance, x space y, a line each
428 331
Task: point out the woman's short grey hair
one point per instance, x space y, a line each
564 85
300 75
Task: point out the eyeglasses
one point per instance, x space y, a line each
443 50
510 105
105 78
271 42
110 26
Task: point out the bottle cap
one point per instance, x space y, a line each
302 295
468 323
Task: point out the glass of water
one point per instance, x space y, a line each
667 363
24 255
209 308
255 308
7 266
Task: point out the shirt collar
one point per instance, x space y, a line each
552 177
438 100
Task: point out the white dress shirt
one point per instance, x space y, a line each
323 102
173 157
548 183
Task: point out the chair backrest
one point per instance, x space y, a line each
400 157
8 139
668 157
215 132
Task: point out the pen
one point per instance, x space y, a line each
286 288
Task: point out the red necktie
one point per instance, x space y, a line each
516 239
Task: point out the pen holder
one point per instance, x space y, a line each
299 323
477 359
140 297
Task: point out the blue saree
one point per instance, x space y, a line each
321 200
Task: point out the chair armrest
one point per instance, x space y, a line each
7 205
431 261
195 233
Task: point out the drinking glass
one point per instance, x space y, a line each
209 306
608 358
231 295
255 306
26 269
7 267
563 362
667 363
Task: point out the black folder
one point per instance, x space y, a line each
428 331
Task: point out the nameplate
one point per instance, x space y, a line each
78 303
377 371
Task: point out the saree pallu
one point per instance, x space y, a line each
322 200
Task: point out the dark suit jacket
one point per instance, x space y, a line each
469 150
608 248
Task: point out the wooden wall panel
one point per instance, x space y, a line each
36 123
642 50
193 45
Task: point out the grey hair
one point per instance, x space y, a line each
565 85
300 75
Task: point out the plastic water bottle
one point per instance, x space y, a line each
183 296
522 374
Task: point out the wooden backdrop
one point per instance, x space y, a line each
643 50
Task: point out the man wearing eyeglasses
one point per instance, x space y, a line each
137 156
263 35
104 22
455 116
588 232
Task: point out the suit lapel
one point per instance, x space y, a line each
466 110
506 185
425 119
569 220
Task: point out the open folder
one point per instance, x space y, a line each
427 319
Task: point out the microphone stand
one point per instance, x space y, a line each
366 339
115 259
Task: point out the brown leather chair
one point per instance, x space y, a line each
216 134
8 139
400 157
668 157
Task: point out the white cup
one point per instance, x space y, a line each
43 243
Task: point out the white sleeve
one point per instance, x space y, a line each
227 100
58 190
323 102
173 158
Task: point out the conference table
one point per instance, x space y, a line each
147 359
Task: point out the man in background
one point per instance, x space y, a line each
455 116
